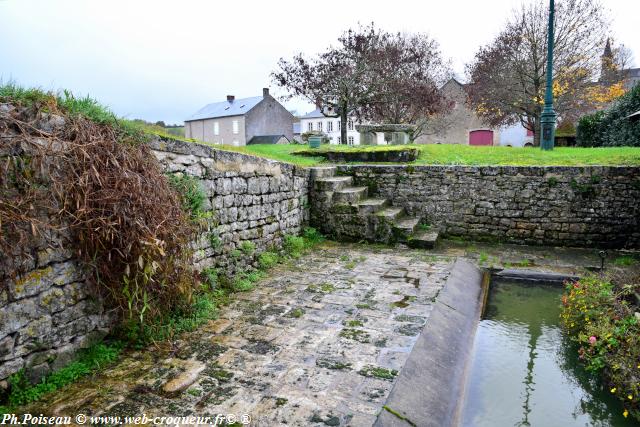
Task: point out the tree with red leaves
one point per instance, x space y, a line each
375 75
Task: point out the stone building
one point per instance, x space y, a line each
462 125
238 121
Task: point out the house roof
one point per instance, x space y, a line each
315 114
632 72
238 107
266 139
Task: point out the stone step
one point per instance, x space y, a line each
333 183
322 172
349 195
390 214
371 206
404 227
426 239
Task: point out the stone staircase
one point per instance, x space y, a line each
346 212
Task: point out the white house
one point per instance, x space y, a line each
315 121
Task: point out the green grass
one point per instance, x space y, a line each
281 152
70 105
435 154
89 361
625 261
429 154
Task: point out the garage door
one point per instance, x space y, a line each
481 137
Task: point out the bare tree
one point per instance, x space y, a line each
507 77
338 79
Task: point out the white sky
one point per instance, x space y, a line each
163 60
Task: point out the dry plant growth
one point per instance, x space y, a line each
65 175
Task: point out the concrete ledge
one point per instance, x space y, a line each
515 275
430 385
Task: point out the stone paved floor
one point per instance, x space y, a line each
318 342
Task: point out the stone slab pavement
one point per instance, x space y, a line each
320 341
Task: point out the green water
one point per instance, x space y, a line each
525 373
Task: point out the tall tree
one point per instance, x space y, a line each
337 79
385 77
410 70
507 77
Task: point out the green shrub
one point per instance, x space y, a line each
294 245
600 319
210 277
268 259
191 193
612 127
312 236
247 247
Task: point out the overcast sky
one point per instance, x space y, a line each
163 60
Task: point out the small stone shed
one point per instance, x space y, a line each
386 134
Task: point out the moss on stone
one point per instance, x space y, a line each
355 335
378 372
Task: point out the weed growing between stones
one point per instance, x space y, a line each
378 372
332 363
296 313
355 335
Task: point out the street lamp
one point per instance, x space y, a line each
548 118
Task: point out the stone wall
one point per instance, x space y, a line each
563 206
252 199
51 311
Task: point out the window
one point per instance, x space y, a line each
329 126
310 127
320 126
350 125
339 140
236 128
339 124
350 139
235 143
216 128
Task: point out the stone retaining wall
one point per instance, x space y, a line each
562 206
252 199
50 312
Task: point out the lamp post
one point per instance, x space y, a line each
548 117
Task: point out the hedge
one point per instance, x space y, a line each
612 127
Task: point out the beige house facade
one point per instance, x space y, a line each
238 121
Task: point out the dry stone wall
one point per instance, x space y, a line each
51 310
252 200
563 206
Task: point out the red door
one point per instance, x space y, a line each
481 137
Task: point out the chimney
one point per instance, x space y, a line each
318 103
230 98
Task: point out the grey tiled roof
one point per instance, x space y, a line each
315 114
632 72
238 107
266 139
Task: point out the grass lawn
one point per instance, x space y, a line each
469 155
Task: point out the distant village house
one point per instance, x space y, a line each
260 119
